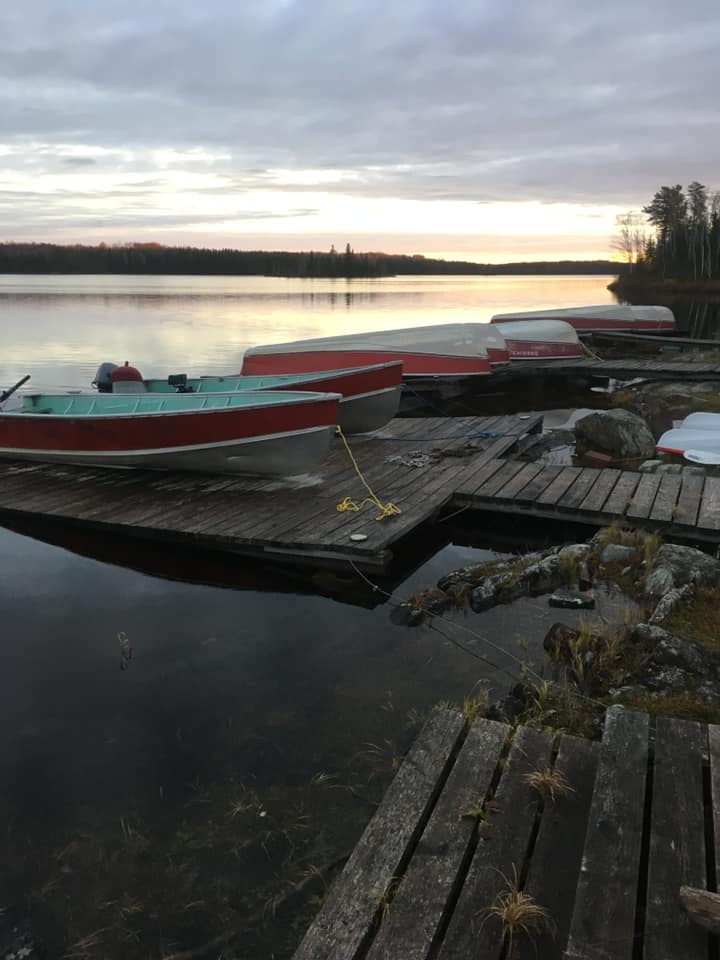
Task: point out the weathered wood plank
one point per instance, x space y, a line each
688 505
663 509
642 500
520 480
560 485
709 515
408 930
677 841
532 490
498 481
347 916
475 476
503 843
579 490
603 921
600 491
621 494
714 759
555 864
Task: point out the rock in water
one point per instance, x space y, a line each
622 434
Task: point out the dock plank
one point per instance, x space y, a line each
582 486
520 480
640 507
709 514
346 919
688 504
532 490
677 841
559 486
603 921
413 920
555 864
595 499
503 844
623 491
663 509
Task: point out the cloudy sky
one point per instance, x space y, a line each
477 129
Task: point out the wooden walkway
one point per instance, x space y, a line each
460 822
684 506
279 518
589 369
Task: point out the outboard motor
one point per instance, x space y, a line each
102 377
127 379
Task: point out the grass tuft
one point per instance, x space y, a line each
519 914
549 783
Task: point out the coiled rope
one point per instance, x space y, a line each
386 509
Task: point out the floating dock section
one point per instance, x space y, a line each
462 824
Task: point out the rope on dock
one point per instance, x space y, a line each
386 509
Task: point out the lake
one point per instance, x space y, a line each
193 794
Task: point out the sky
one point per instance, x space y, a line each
485 130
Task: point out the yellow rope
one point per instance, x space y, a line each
386 509
589 352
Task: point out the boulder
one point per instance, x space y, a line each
675 566
622 434
617 553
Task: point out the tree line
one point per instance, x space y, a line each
685 241
154 258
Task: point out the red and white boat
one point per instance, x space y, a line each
540 339
602 317
370 396
441 350
247 432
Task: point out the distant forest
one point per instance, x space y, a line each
143 258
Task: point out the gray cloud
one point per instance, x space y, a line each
469 99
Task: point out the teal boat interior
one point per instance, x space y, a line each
181 384
104 405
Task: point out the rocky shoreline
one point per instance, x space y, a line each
662 656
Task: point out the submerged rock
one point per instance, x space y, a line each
572 600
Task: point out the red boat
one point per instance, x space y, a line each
245 432
441 350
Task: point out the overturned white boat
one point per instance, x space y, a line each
702 421
540 339
600 317
681 439
440 350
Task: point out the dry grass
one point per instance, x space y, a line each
549 783
519 914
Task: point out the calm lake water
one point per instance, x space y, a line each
193 794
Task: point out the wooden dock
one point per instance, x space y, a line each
423 466
460 824
415 464
588 369
684 506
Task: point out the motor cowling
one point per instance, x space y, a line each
127 379
102 377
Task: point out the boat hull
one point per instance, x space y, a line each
540 339
275 455
680 439
272 438
370 395
414 363
598 318
439 350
